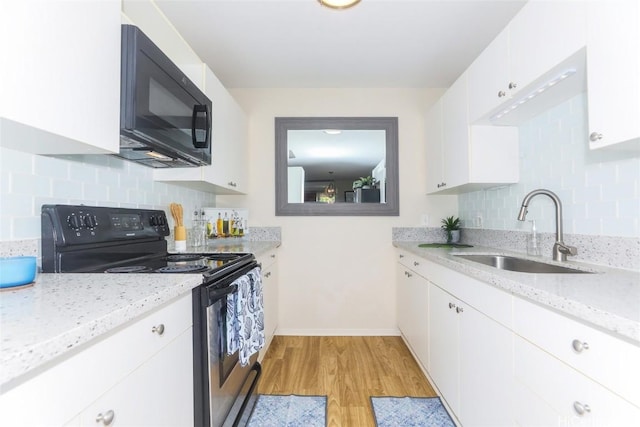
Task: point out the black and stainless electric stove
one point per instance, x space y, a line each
89 239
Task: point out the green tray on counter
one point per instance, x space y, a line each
444 245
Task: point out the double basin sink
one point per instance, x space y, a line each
522 265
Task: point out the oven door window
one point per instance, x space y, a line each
219 359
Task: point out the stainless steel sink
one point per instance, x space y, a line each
510 263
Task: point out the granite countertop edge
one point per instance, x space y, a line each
26 348
608 320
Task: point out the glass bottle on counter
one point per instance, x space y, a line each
219 225
225 225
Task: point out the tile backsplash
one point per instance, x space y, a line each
28 181
599 189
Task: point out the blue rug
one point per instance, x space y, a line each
410 412
289 411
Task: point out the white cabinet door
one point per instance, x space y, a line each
486 377
613 73
229 149
158 393
60 76
434 141
455 131
412 311
444 345
489 78
541 36
270 300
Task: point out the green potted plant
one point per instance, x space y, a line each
452 226
364 182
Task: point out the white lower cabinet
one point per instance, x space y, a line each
500 360
158 393
412 297
269 264
143 373
469 360
552 393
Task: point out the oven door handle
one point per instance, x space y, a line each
218 294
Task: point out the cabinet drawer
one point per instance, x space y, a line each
568 391
267 259
490 301
72 383
608 360
412 262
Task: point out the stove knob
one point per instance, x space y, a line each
74 222
90 221
153 220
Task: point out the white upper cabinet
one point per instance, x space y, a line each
60 76
489 78
462 158
528 53
613 82
543 34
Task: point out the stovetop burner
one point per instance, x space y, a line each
189 268
129 269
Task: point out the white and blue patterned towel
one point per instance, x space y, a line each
245 317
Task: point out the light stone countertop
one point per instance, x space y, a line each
608 299
61 313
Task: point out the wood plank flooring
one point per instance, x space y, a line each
348 370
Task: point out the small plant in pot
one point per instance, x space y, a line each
364 182
452 226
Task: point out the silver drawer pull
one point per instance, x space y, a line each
452 305
158 329
579 346
416 263
106 418
459 309
406 273
273 255
267 274
581 408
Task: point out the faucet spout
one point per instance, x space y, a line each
560 249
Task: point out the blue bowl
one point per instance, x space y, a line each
17 271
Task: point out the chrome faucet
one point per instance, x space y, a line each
560 250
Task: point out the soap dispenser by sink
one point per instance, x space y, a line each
533 244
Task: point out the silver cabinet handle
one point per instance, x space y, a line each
267 274
512 85
272 255
581 408
232 184
595 136
106 418
401 256
406 273
442 184
501 94
579 346
459 309
158 329
416 263
452 305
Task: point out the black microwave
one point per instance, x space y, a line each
165 120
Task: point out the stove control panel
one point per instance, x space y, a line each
78 224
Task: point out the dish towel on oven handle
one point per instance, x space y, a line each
245 317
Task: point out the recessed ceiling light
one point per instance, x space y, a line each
339 4
332 131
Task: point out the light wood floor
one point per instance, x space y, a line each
348 370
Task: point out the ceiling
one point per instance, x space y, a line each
378 43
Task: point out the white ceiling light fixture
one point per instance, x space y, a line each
332 131
339 4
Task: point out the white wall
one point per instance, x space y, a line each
337 274
28 181
599 189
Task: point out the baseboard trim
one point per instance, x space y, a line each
338 332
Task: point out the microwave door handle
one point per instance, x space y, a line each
197 109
